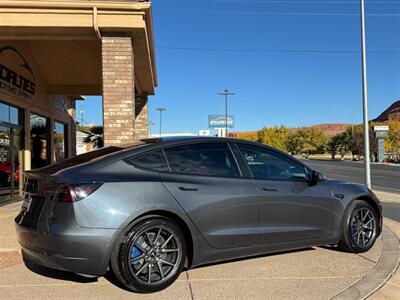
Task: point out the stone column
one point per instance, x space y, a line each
142 117
118 90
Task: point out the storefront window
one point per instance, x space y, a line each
9 114
59 142
40 135
11 166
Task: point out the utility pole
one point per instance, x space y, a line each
365 97
81 115
161 110
226 93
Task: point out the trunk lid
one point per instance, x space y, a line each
39 196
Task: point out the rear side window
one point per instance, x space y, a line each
210 159
150 160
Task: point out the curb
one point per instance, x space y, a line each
380 274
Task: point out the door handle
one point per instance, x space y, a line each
185 189
269 190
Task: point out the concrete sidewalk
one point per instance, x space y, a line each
313 273
388 197
391 290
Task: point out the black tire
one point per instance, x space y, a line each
359 236
141 244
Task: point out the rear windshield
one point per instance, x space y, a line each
90 156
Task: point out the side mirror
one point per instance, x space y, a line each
313 177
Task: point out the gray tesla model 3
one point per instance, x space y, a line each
150 209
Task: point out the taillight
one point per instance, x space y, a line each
76 192
64 194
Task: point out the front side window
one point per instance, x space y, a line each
268 165
212 159
151 160
59 148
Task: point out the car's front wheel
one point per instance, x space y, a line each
359 228
150 255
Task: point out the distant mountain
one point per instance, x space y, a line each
390 114
332 129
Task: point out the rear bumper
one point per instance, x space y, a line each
81 250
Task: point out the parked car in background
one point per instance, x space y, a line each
5 173
394 159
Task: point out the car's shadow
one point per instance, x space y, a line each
255 257
332 248
67 276
110 277
55 274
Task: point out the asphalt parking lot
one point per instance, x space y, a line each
384 177
312 273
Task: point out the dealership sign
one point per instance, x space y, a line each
16 75
219 121
381 132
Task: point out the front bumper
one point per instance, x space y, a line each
77 250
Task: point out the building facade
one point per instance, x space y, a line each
51 53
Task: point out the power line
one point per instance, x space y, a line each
275 13
341 2
338 51
304 2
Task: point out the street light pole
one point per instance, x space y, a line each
226 93
161 110
151 123
365 98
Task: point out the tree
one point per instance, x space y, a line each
294 143
249 136
356 136
393 140
275 137
95 137
339 144
307 140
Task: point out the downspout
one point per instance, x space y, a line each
95 25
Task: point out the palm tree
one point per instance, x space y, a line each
95 137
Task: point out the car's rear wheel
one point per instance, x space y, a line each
150 255
359 228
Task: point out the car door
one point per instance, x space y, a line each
206 181
290 209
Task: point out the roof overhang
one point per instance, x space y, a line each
56 30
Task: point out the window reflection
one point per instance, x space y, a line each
9 114
39 141
59 141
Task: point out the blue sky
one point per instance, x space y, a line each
290 63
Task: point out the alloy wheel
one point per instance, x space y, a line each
154 255
363 226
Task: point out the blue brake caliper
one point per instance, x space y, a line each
135 253
353 227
